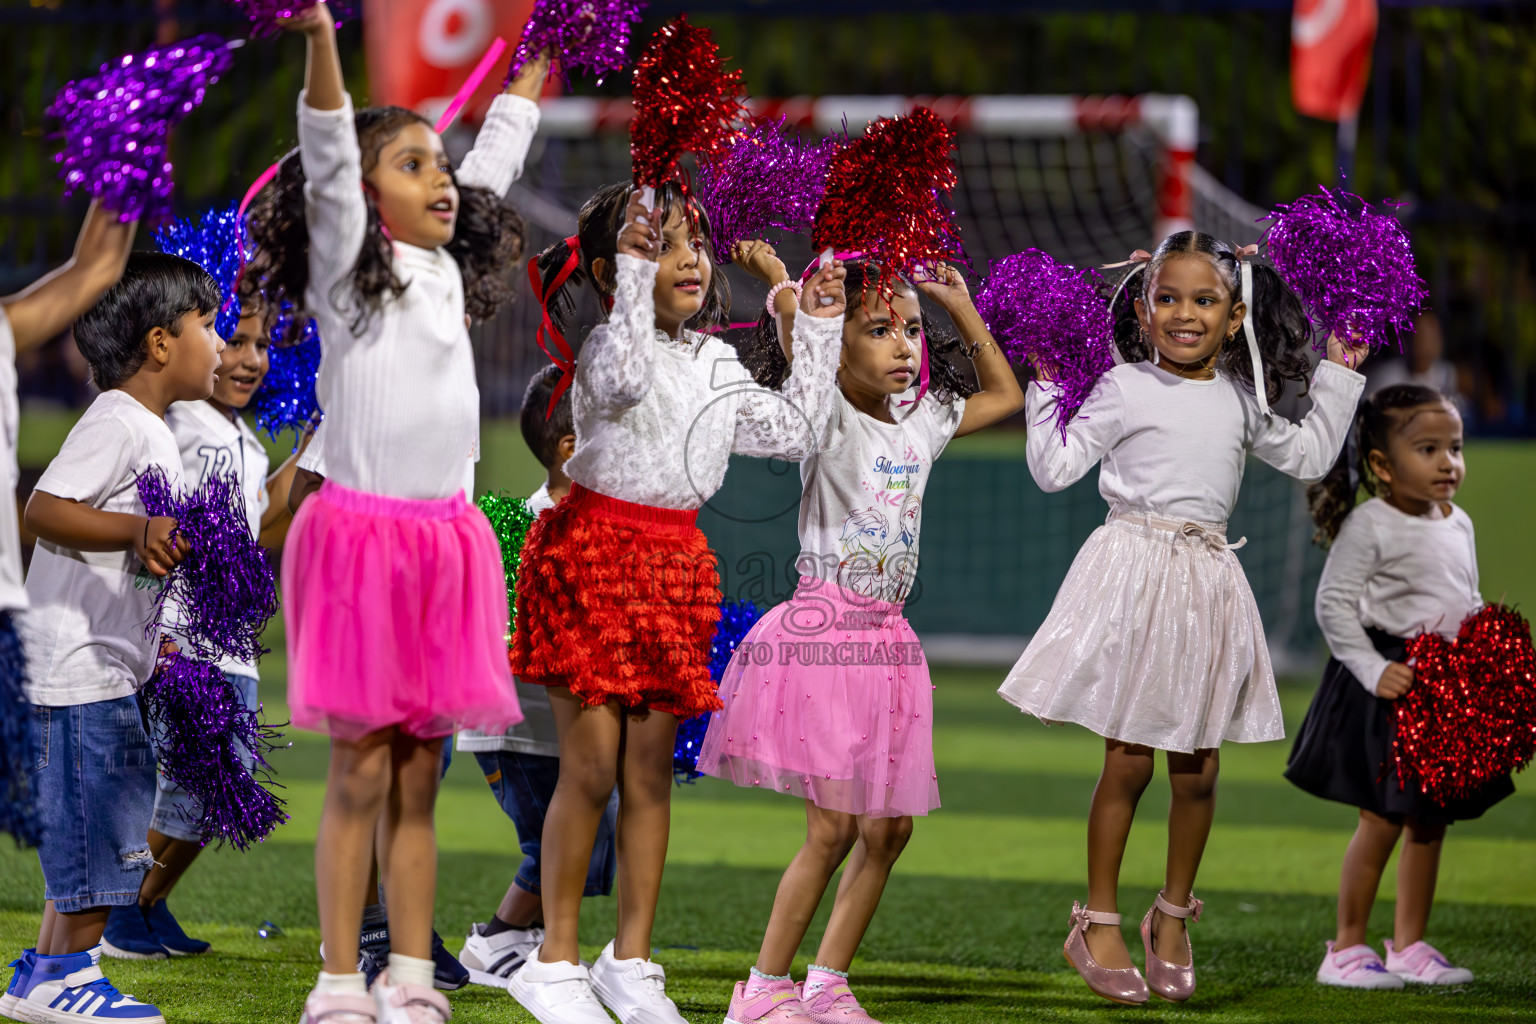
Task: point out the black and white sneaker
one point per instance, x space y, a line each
492 959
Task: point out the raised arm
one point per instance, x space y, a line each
55 300
1000 395
1307 450
1350 562
501 148
618 361
1056 464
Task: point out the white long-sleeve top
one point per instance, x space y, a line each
402 407
658 418
1399 573
1177 447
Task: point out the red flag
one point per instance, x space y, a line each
421 51
1331 44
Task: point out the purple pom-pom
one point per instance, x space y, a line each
266 16
286 399
1050 314
213 241
1351 265
116 126
587 35
768 180
736 620
204 736
219 598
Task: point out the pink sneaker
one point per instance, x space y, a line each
1356 967
777 1004
833 1004
1423 964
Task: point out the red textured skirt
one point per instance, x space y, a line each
618 602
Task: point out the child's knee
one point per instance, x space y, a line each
832 835
592 778
885 838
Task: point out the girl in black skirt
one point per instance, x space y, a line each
1402 563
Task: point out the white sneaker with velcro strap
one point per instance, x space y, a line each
557 993
635 990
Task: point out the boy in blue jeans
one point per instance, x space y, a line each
149 342
523 765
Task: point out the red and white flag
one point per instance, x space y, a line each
1331 44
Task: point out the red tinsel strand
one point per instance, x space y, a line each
685 102
1470 716
884 195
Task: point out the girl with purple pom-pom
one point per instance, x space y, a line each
1154 640
828 698
397 606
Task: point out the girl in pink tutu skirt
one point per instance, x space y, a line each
828 697
1154 640
396 603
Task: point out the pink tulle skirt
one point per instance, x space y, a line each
828 698
397 616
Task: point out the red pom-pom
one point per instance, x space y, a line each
685 102
883 195
1470 716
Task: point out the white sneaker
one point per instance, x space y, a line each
408 1004
492 959
1423 964
635 990
1356 967
557 993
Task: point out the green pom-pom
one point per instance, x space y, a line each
510 518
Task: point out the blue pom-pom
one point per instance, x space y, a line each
213 241
736 620
286 399
18 801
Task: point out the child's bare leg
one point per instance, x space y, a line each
520 908
74 932
355 790
1127 771
1418 868
1192 777
645 820
881 841
1364 861
172 859
589 754
829 835
408 855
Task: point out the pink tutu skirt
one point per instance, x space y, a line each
397 616
828 698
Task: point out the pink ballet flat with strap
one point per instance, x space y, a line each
1120 985
1171 981
338 1008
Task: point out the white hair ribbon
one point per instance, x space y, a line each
1245 256
1139 258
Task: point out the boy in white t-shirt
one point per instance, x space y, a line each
88 635
214 439
29 318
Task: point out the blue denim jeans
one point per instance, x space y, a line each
524 784
95 785
177 811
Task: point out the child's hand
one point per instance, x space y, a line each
316 19
157 549
1347 354
1045 370
1396 680
640 237
945 285
760 260
828 282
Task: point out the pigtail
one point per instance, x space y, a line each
1332 498
761 353
1283 332
279 267
487 239
1126 328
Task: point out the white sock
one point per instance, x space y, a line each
342 984
410 970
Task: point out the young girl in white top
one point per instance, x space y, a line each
395 599
1154 640
828 697
617 594
1400 564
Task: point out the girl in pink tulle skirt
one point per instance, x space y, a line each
828 697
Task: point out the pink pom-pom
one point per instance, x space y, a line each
1050 315
1351 265
768 180
116 125
586 35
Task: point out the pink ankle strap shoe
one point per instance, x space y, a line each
779 1003
1172 982
832 1004
338 1008
1120 985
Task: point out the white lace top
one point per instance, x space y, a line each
657 418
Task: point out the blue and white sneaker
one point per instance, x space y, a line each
167 931
127 935
21 971
66 989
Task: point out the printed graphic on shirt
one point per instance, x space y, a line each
217 460
879 553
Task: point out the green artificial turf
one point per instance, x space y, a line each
973 920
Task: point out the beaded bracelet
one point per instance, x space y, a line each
773 292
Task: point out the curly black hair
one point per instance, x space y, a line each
1332 498
763 356
597 233
1279 320
487 238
